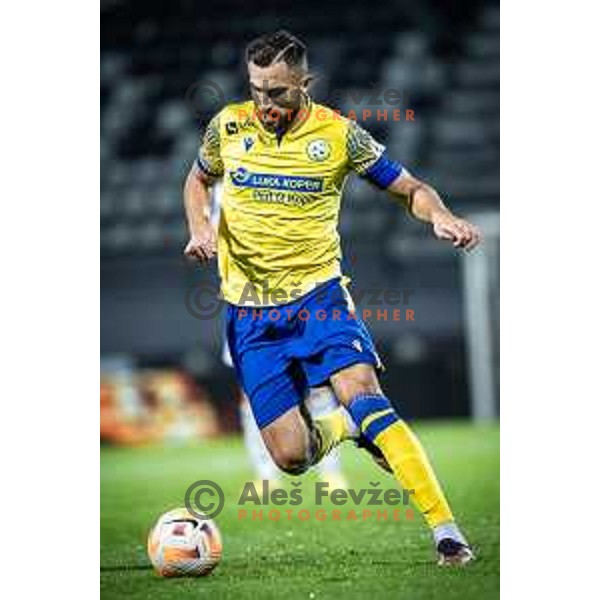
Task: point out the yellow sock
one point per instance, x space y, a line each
380 424
413 470
332 429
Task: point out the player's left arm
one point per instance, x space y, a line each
370 160
423 202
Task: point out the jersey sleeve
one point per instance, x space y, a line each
209 155
368 157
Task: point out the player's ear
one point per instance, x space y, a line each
307 81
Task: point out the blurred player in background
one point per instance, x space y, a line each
284 160
319 402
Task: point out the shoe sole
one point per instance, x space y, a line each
459 560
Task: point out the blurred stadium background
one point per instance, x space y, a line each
162 375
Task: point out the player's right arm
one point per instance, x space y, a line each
207 168
196 198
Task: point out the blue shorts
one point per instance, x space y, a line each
280 352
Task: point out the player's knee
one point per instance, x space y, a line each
288 442
293 461
355 381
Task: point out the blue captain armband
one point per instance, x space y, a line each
383 171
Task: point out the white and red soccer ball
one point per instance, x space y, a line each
181 544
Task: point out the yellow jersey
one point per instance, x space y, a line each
281 196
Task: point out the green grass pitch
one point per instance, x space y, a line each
296 559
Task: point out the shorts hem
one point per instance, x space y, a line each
371 360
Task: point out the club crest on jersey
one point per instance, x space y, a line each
247 143
318 150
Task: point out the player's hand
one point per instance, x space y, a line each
203 244
461 233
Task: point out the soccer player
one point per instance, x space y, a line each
283 161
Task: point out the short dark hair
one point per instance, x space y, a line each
273 47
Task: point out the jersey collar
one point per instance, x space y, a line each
301 118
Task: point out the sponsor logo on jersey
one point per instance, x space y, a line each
231 127
294 183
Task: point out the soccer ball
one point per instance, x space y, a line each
181 544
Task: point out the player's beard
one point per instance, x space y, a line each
278 119
272 119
